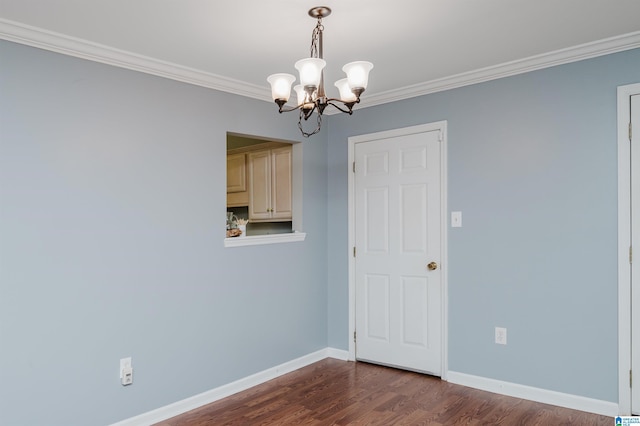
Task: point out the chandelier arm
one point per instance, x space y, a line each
349 105
307 112
357 101
303 111
283 109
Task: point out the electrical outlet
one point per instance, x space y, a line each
127 376
501 336
126 371
124 363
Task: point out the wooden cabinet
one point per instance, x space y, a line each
236 173
237 188
270 182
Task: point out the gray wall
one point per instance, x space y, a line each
533 167
112 201
112 212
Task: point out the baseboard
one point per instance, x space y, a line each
337 354
544 396
224 391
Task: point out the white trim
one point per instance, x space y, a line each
444 246
544 396
340 354
442 127
624 242
257 240
351 242
79 48
563 56
224 391
60 43
297 185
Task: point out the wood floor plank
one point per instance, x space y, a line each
333 392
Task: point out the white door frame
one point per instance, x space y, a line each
442 127
624 242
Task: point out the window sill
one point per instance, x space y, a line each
257 240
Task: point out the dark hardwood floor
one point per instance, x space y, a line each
333 392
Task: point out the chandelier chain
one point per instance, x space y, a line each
307 134
315 37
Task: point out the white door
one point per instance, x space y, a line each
635 243
398 232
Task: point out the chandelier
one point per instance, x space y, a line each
310 92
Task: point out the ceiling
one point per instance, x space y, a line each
416 46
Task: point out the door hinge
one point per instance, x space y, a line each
630 379
354 335
353 167
630 255
630 132
354 251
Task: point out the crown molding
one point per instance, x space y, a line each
60 43
563 56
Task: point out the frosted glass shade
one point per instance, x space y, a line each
300 92
281 85
346 95
358 74
310 70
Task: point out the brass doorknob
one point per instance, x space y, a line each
432 266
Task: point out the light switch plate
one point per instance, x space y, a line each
456 219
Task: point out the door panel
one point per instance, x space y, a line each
281 202
377 307
412 159
259 185
398 232
414 294
376 164
413 199
376 207
236 173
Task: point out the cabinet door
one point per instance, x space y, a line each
259 185
236 173
281 205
